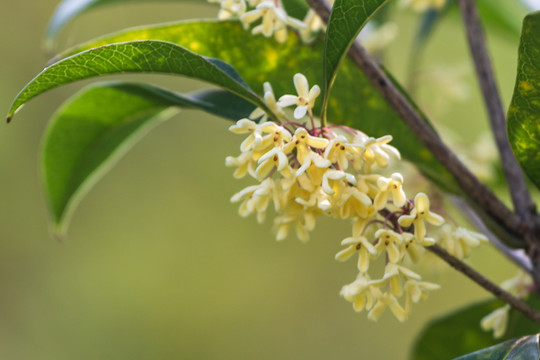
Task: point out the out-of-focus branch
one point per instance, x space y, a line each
523 204
486 283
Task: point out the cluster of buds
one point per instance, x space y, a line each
307 171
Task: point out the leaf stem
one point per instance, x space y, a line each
471 186
486 283
523 204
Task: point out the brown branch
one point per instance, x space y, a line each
477 191
523 204
488 285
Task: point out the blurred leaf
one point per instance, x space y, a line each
502 15
524 113
459 333
67 10
525 348
149 56
354 101
296 8
102 122
347 18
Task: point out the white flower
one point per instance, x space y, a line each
423 5
306 97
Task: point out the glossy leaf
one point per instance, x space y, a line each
354 101
459 333
524 113
100 123
150 56
525 348
348 17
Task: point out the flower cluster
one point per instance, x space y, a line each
307 171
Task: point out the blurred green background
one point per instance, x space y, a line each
157 264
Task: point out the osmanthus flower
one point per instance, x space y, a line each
303 142
255 198
255 140
362 247
390 186
245 164
419 215
340 152
390 241
274 20
393 273
274 158
386 300
414 248
335 175
458 241
360 293
418 290
304 101
354 203
377 151
520 286
270 101
496 321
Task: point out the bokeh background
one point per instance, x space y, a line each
157 263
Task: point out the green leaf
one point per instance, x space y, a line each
524 113
348 17
296 8
459 333
149 56
90 132
525 348
354 101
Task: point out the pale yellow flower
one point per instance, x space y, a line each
304 101
390 241
340 152
273 159
387 300
459 241
335 175
390 186
274 20
270 101
419 215
418 290
359 293
496 321
359 245
303 142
